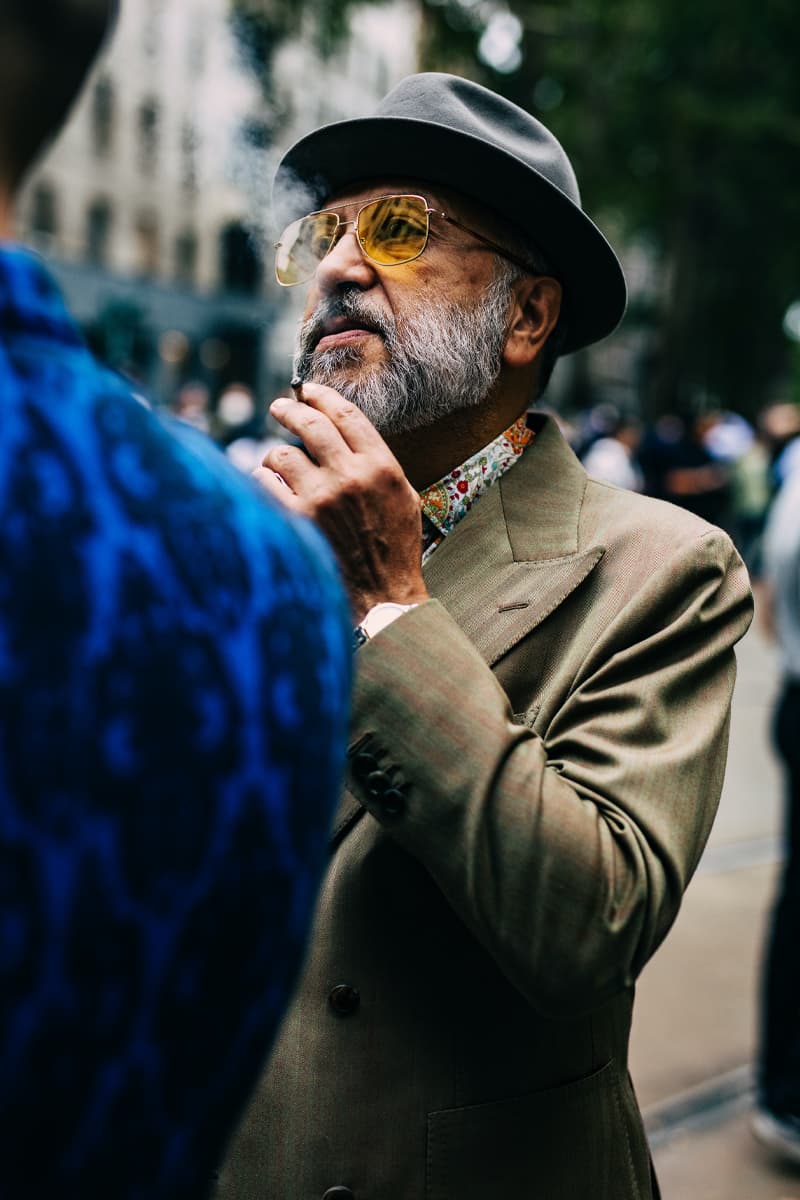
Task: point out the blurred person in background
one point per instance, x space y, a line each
190 404
751 492
679 467
726 435
236 414
612 458
173 693
247 452
246 432
776 1122
780 426
598 421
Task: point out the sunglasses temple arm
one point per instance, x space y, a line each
520 262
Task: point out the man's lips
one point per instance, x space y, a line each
338 333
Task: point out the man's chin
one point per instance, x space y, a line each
349 378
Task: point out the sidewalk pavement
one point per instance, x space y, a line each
723 1162
695 1024
693 1046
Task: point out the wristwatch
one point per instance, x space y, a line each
378 617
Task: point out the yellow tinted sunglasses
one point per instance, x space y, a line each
390 230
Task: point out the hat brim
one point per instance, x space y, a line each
371 147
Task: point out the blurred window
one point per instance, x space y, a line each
44 210
241 266
149 121
196 50
99 219
150 30
186 257
189 157
103 117
147 243
255 133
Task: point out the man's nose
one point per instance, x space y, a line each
345 264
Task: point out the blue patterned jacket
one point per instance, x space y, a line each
174 674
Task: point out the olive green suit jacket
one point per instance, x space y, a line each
537 755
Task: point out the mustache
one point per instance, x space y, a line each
351 306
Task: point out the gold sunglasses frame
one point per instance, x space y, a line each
341 228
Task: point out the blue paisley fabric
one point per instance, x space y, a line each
174 674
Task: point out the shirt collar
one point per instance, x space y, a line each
448 500
30 302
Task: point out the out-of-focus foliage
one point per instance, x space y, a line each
682 118
683 121
262 25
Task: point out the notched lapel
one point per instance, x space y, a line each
515 598
515 557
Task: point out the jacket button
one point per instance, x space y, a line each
339 1193
364 763
393 801
344 1000
377 784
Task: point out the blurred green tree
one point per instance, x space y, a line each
261 26
683 122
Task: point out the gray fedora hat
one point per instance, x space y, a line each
443 129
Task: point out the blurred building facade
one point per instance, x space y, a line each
147 203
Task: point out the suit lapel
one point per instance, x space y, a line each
511 561
514 558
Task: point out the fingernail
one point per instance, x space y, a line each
279 402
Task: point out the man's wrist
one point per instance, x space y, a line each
377 618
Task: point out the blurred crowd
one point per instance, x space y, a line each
237 422
718 464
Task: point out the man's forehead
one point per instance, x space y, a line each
364 189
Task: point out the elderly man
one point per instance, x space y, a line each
544 673
174 668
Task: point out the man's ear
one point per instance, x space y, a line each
534 312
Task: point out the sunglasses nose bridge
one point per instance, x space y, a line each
342 259
340 231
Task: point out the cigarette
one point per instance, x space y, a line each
297 385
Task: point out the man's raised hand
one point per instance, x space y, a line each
353 487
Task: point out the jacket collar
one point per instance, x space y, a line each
516 556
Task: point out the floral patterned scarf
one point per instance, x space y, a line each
445 502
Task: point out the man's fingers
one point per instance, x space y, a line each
357 430
292 464
315 429
270 482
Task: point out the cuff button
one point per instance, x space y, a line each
393 801
344 999
377 784
364 764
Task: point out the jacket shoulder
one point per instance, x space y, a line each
612 514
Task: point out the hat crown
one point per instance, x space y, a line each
468 108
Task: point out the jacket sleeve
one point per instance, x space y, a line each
566 854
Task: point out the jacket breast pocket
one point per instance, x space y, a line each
566 1143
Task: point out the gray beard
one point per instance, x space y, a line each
442 358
